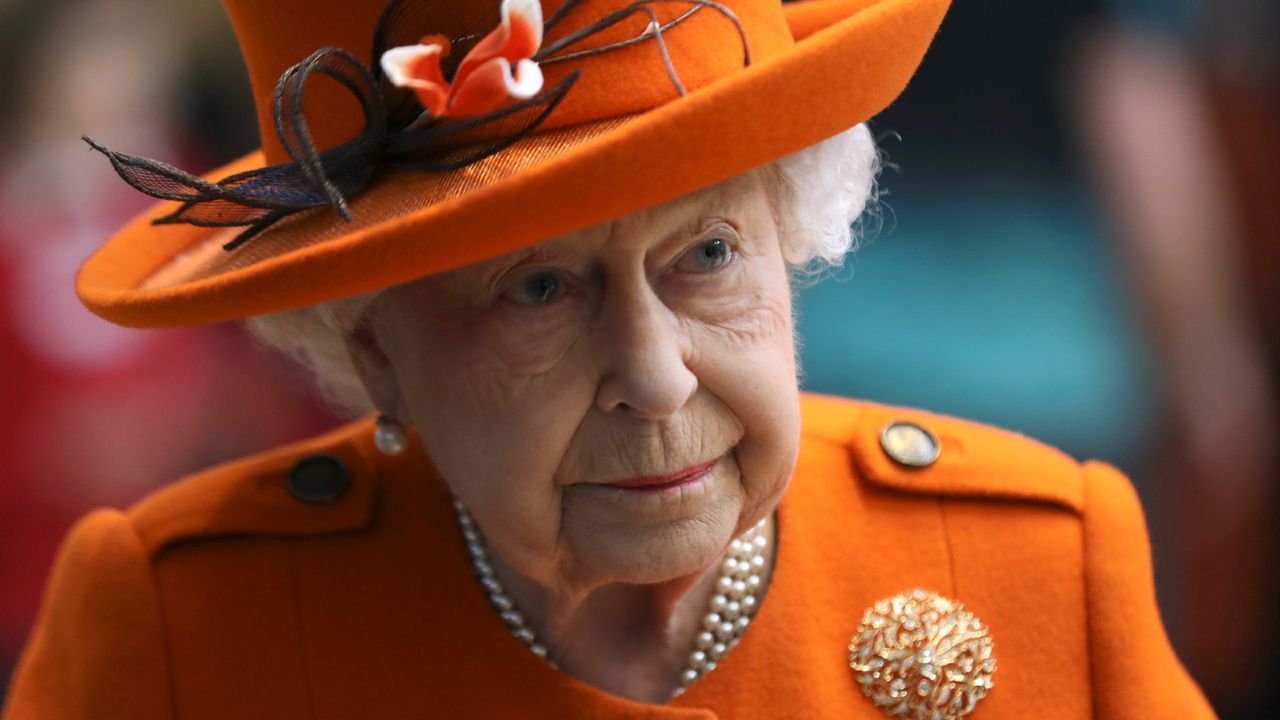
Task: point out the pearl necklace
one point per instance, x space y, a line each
729 612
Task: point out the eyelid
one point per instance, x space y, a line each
534 262
710 228
728 240
533 258
706 230
718 230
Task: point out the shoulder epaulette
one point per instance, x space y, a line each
920 452
332 476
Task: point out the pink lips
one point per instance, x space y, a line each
654 483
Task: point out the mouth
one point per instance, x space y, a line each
661 483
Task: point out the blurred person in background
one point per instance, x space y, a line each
1179 105
145 407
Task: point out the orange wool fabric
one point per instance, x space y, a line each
223 597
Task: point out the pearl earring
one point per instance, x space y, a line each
389 437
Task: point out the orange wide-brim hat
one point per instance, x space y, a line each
622 138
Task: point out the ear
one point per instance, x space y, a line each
375 371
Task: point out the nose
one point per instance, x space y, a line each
644 356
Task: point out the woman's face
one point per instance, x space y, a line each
615 404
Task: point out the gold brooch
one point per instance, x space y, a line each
920 656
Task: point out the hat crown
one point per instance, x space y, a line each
274 35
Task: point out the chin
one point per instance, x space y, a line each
650 554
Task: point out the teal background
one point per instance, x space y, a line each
996 300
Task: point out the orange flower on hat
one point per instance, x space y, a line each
498 68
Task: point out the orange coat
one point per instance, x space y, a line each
224 596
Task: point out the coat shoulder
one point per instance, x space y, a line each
916 451
319 485
1072 582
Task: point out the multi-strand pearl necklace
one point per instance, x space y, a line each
729 612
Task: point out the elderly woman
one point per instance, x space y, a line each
591 487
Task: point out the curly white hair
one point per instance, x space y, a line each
820 196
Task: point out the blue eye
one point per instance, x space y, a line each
705 256
538 288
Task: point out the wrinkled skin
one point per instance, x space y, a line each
640 346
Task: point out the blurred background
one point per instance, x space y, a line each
1079 239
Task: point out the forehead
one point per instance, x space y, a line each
736 198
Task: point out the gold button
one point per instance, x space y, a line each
909 444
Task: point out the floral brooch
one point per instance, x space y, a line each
921 656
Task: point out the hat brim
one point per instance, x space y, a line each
850 60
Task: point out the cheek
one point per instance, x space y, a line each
486 425
746 358
480 379
529 340
745 308
495 435
744 332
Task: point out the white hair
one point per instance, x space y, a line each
820 196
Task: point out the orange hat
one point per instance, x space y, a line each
533 121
